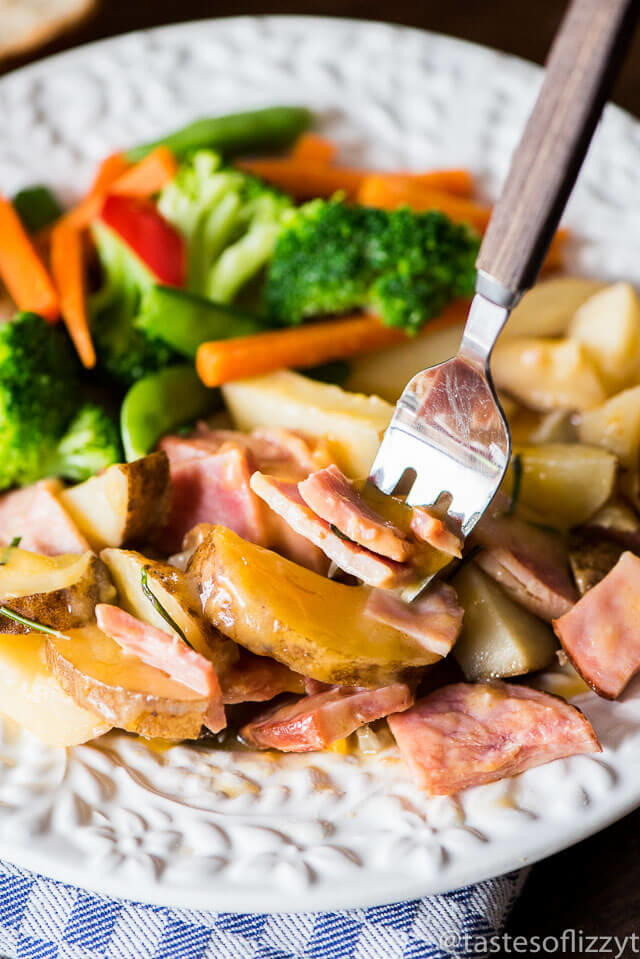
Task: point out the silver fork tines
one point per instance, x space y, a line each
449 429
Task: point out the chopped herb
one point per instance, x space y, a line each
517 484
157 605
340 534
31 623
6 552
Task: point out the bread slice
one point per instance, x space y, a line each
27 24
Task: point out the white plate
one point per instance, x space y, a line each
243 832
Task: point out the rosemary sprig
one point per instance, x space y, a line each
517 484
157 605
31 623
6 552
340 534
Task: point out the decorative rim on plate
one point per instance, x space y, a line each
245 832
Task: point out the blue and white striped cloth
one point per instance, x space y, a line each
44 919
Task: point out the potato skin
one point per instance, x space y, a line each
64 608
127 503
149 493
317 627
93 670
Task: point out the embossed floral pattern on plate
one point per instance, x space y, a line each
252 832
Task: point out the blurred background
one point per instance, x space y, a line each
594 887
525 29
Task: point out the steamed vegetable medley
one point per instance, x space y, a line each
197 365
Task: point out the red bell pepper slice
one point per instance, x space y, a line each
152 238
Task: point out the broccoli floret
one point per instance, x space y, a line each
90 443
39 390
331 258
229 220
124 352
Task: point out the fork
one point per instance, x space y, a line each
448 444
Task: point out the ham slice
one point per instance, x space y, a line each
314 722
529 563
275 451
601 633
36 515
468 734
431 529
284 498
280 452
434 619
213 488
167 652
334 499
256 679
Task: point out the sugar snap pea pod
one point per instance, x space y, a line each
184 320
162 402
271 128
37 207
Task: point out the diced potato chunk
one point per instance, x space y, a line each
95 671
33 698
125 503
608 325
498 638
546 310
57 591
615 425
547 374
353 424
387 372
312 624
563 484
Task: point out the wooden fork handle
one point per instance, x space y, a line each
583 62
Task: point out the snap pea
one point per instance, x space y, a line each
184 320
271 128
159 403
37 207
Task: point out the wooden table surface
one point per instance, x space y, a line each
595 886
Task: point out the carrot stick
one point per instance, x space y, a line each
115 175
306 180
389 193
21 269
109 170
221 361
148 176
312 148
68 267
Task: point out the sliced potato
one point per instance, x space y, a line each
547 374
33 698
546 310
498 638
562 484
99 675
555 427
387 372
608 325
615 425
58 591
310 623
353 424
176 593
124 504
